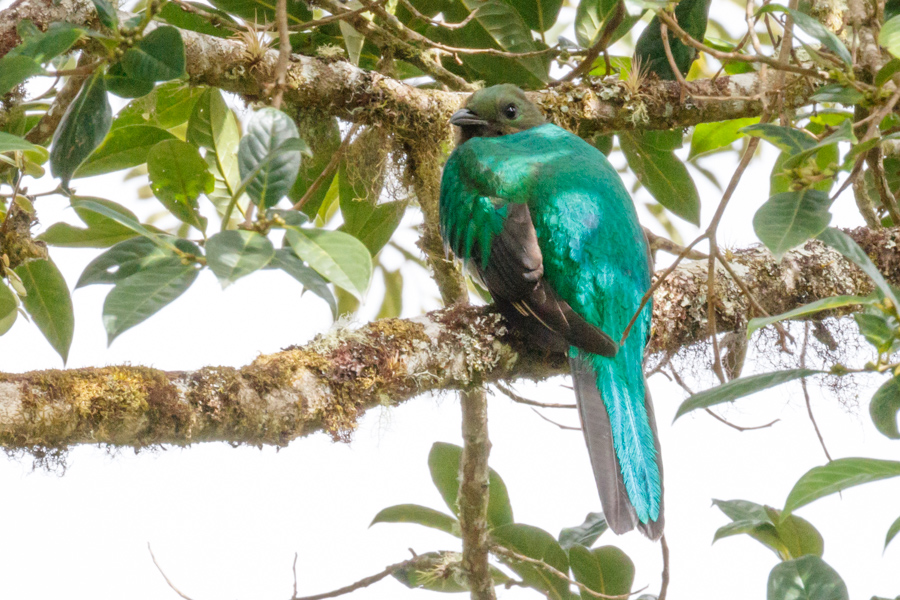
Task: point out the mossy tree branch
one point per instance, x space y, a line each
329 383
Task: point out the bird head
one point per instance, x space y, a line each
495 111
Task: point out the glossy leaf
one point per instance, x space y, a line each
843 133
159 56
167 106
107 14
887 72
808 309
664 176
138 297
213 126
9 308
709 137
127 258
263 11
41 46
806 578
123 148
82 129
102 231
10 143
892 532
236 253
178 175
290 263
175 14
336 256
889 38
49 303
422 515
374 225
324 137
844 244
509 31
590 17
788 139
537 544
585 534
444 464
787 220
836 476
650 49
606 570
15 69
884 408
271 170
877 328
814 28
392 305
120 83
539 15
835 92
126 219
738 388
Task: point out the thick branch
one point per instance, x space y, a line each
327 384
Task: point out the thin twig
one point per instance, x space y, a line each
364 582
161 572
551 421
414 11
599 46
329 19
682 82
294 569
517 398
739 427
809 410
284 52
328 170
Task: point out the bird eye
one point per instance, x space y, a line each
510 111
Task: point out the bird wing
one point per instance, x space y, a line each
498 237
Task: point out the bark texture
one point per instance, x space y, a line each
329 383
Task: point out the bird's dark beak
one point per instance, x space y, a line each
464 116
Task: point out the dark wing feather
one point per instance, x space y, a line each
514 275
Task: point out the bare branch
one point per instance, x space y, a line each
161 572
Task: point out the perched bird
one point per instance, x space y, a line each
546 224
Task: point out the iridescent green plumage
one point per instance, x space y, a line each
546 222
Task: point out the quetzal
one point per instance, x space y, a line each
546 224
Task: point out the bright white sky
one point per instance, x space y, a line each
225 522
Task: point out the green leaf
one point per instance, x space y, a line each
806 578
213 126
887 72
392 305
15 69
892 532
167 106
788 219
606 570
353 40
9 308
539 15
787 536
876 328
127 258
123 148
107 14
537 544
738 388
157 57
48 302
664 176
178 175
42 46
82 129
884 408
444 463
814 28
788 139
324 137
798 535
260 156
509 32
336 256
124 85
175 14
889 38
844 133
263 11
650 49
835 92
374 225
11 143
590 17
138 297
844 244
708 137
585 534
422 515
836 476
290 263
86 205
234 254
808 309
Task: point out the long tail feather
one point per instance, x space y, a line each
620 431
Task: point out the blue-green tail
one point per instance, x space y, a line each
620 431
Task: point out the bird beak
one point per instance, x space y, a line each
464 116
